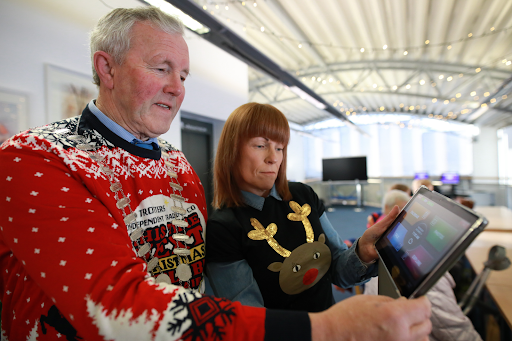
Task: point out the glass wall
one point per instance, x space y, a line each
395 145
505 155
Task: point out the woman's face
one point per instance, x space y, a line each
260 159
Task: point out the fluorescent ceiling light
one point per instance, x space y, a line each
478 113
305 96
192 24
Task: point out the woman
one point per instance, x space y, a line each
269 243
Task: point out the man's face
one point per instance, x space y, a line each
149 85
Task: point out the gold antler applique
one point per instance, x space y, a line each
301 214
260 233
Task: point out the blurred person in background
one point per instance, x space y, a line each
374 217
417 183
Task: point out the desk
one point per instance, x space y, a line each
500 217
499 283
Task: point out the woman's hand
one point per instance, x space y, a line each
366 245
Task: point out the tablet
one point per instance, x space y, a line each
428 236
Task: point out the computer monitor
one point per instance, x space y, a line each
450 178
344 169
421 176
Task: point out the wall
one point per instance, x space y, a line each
485 156
218 82
35 33
30 38
295 158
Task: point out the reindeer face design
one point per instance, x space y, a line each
304 266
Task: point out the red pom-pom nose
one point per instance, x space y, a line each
309 276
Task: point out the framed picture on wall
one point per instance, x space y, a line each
67 92
13 113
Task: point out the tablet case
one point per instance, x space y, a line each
387 286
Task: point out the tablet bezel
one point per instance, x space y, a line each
454 253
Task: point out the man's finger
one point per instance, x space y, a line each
376 230
381 299
421 331
382 225
419 309
391 216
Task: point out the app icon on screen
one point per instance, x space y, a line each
397 235
441 233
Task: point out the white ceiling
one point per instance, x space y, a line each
82 12
331 34
462 67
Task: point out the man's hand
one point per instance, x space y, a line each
366 245
368 317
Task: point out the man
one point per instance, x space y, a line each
377 216
102 223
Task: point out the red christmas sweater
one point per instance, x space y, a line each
68 266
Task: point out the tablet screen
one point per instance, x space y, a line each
423 234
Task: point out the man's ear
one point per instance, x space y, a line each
104 66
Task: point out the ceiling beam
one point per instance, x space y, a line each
226 39
427 67
385 93
398 64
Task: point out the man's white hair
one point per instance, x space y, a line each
112 34
392 197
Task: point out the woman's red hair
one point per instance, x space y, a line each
245 122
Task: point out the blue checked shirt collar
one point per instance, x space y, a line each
257 202
116 128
